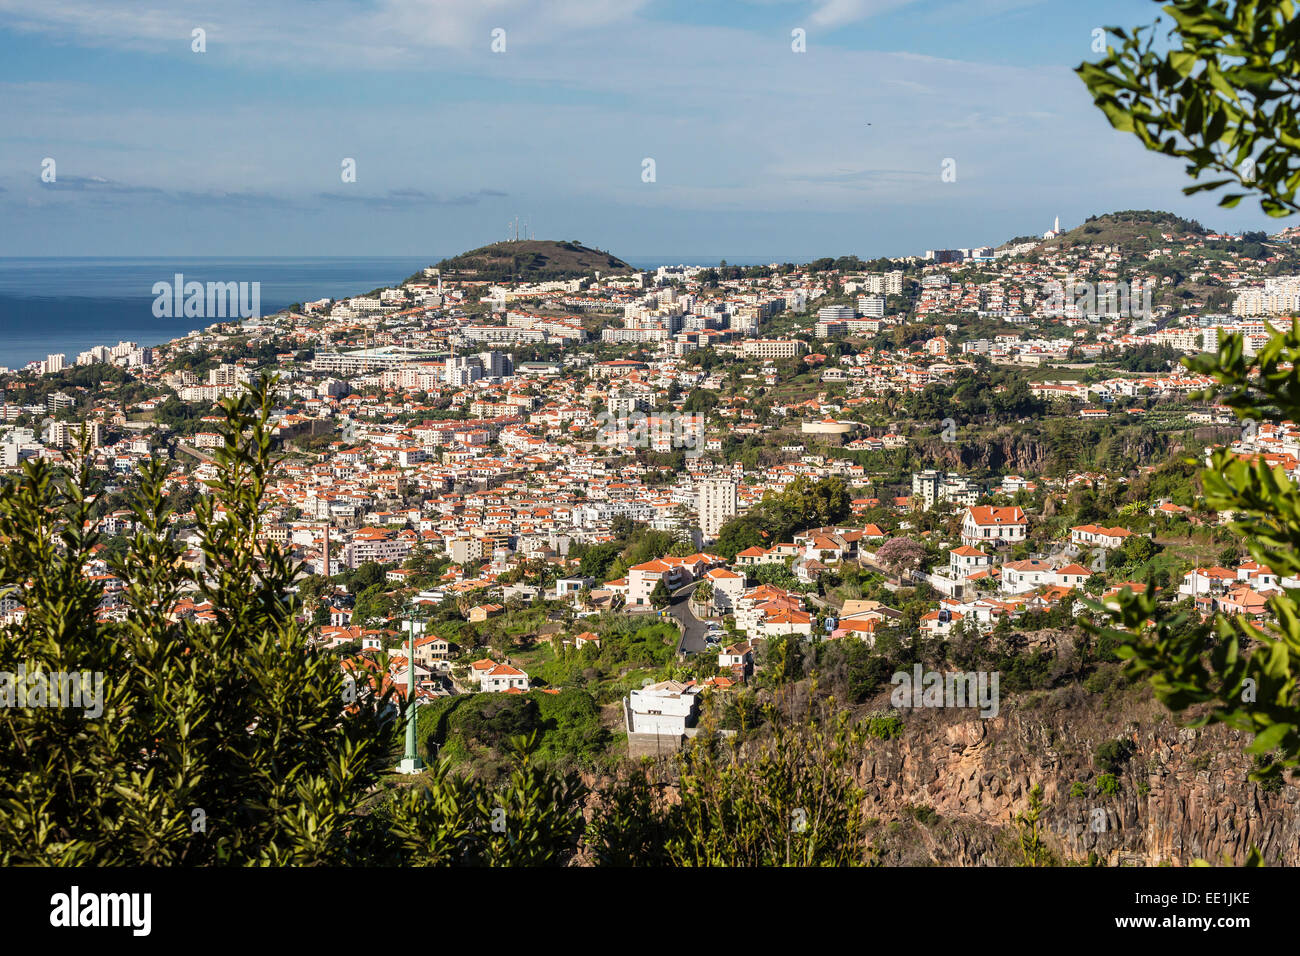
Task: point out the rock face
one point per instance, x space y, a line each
1183 793
1015 451
1005 450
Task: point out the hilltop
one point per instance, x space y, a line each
1131 230
531 260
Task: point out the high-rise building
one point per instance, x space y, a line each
496 364
68 434
57 401
718 502
623 403
834 312
872 306
227 374
460 370
55 362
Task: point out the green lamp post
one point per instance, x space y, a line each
411 762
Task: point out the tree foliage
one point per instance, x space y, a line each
1223 97
225 741
1220 89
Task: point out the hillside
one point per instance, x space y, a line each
531 260
1131 230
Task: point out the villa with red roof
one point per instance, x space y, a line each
988 525
1093 536
503 678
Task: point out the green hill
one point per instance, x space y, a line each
531 260
1132 230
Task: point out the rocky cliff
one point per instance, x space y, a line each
945 792
1012 450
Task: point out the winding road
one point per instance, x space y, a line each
693 629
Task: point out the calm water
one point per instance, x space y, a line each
69 305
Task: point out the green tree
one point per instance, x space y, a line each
1138 549
791 801
229 741
703 593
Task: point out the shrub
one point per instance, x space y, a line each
883 726
1114 754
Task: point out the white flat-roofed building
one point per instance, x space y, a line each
666 708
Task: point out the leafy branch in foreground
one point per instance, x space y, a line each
1221 90
221 738
788 798
1247 673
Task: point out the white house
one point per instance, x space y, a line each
1206 581
988 525
941 622
728 586
965 561
1072 576
668 707
785 621
734 656
642 578
502 678
1095 536
1021 576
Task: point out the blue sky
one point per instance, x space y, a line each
759 151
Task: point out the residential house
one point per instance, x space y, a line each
482 612
1213 580
1095 536
985 525
503 679
728 586
1019 577
667 708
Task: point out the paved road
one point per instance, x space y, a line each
694 629
193 452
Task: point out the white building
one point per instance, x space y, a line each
502 678
984 524
728 586
666 708
872 306
718 501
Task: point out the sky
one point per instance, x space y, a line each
460 115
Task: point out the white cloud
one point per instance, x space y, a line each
837 13
385 33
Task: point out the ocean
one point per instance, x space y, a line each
68 305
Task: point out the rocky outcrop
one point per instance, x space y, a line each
1008 450
1003 451
947 790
